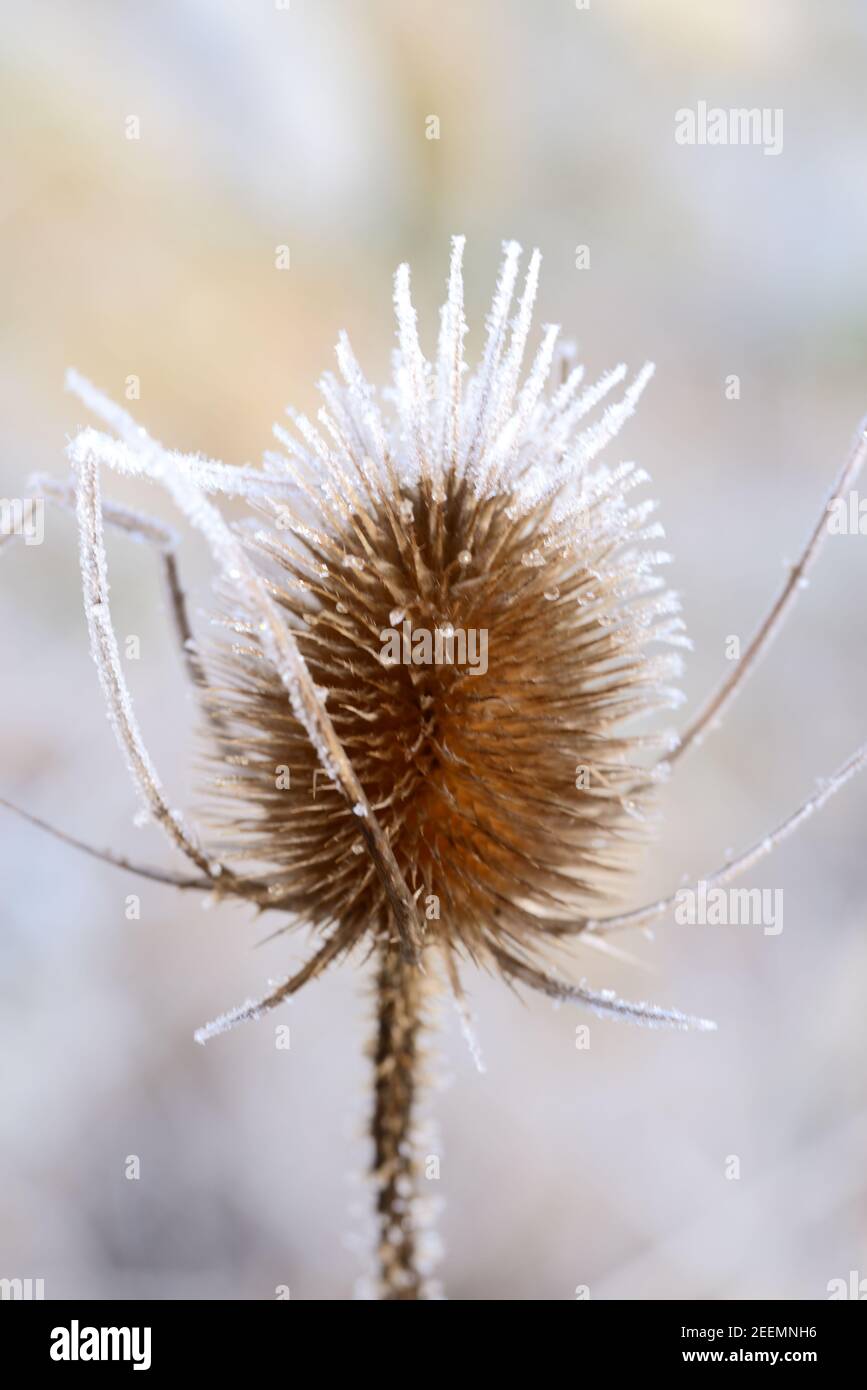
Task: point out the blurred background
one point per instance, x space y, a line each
154 257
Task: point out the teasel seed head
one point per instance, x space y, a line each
512 790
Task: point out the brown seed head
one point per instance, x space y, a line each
475 601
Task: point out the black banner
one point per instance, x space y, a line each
158 1339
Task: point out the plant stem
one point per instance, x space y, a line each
397 1060
795 579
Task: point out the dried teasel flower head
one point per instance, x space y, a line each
475 596
460 601
434 636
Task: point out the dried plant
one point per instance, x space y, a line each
423 811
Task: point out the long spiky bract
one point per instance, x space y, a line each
400 803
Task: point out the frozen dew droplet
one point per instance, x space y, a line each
341 608
552 594
532 559
358 809
215 868
358 847
141 817
396 616
464 558
447 629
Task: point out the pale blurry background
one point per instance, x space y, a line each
263 127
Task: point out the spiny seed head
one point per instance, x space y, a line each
473 512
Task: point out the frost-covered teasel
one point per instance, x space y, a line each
428 813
